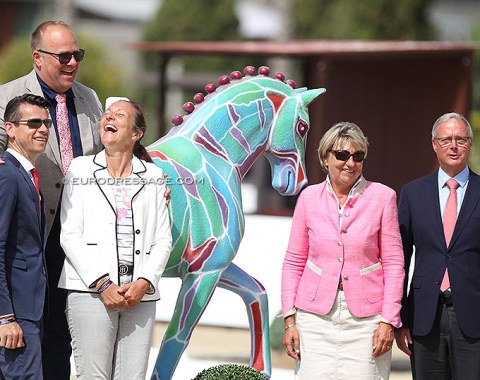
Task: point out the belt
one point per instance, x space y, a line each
446 298
124 269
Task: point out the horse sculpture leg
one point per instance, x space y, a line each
195 293
256 301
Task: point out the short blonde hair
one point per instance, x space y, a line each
339 135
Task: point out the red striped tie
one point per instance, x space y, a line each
36 181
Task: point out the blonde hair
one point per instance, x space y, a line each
339 135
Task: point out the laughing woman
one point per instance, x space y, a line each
342 276
117 240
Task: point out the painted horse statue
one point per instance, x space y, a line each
206 155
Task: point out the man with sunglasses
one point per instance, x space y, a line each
75 132
23 277
439 218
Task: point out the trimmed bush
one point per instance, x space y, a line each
230 372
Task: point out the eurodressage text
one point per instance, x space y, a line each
133 181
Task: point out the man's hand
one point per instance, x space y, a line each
134 291
11 336
403 337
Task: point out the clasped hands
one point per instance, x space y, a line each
125 296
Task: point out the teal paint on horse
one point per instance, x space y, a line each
206 157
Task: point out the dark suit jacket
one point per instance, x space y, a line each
421 226
22 238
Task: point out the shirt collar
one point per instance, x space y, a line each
461 178
49 93
356 189
26 164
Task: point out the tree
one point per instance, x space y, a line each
368 20
185 20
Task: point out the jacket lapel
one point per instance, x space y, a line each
470 202
31 186
82 110
104 180
432 202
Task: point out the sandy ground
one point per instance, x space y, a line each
216 345
211 346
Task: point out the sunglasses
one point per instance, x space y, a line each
34 123
344 155
64 58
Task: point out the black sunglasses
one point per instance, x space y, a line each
344 155
64 58
34 123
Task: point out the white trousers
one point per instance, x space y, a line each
109 343
339 346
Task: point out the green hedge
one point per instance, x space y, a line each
230 372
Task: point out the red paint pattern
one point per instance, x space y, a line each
276 99
157 154
197 256
258 363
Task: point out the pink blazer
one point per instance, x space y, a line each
366 252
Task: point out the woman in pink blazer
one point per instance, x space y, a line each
342 276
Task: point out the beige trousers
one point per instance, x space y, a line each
339 346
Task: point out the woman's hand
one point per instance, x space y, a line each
134 291
112 299
291 339
383 339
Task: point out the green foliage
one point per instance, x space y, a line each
369 20
474 161
230 372
15 59
185 20
475 37
96 71
99 72
276 334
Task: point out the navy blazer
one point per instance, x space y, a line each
22 244
421 227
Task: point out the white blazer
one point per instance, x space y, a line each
88 218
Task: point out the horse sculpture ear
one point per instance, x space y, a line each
310 95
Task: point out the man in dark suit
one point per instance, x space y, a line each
22 239
439 218
56 61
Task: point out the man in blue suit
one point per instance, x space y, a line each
22 239
441 315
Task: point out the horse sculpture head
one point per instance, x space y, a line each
214 145
287 142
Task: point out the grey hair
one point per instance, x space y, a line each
447 116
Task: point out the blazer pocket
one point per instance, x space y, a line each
370 269
372 282
416 282
18 263
308 286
